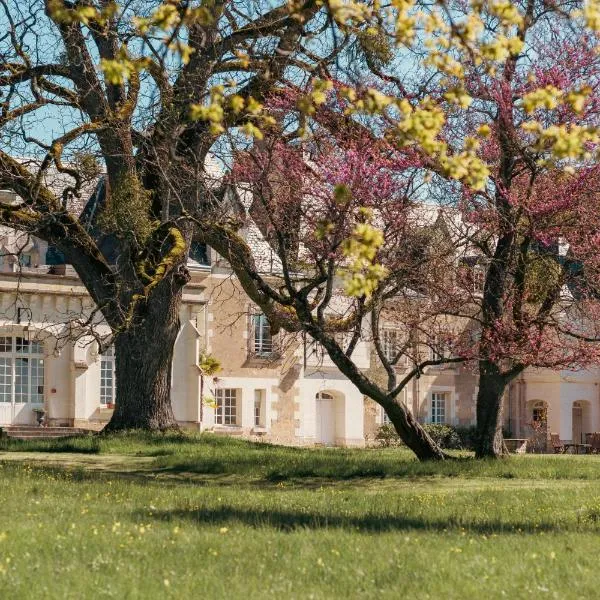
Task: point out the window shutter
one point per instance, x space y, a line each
250 326
201 326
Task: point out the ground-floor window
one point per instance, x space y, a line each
385 420
108 390
260 407
540 413
227 412
21 371
438 407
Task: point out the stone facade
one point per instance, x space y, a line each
288 394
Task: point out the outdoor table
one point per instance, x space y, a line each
578 448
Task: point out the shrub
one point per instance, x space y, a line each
386 436
446 436
466 433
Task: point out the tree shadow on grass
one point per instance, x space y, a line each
290 521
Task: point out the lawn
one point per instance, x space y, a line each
202 516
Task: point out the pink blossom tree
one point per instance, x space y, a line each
505 135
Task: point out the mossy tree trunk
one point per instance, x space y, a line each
143 357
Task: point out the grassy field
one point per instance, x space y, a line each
200 516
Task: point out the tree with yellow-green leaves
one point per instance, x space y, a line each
493 109
144 89
478 98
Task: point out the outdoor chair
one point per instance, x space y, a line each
557 445
594 442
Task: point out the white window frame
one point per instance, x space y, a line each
436 352
263 342
385 420
390 347
260 408
108 382
438 408
12 373
449 407
227 407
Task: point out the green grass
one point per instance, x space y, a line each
201 516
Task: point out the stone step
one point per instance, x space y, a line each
29 432
38 428
24 436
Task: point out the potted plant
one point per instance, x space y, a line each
39 413
208 366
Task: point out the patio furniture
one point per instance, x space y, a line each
594 440
578 448
557 445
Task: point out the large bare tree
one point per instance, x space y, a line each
144 89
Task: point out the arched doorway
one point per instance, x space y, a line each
325 417
537 430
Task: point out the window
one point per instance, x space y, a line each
25 260
107 377
315 351
540 414
438 349
391 343
385 420
21 371
438 407
54 256
478 279
226 413
262 343
259 407
199 253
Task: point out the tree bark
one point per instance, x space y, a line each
412 434
489 442
143 356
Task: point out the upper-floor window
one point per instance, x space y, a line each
199 252
54 256
436 349
262 339
392 340
438 407
478 279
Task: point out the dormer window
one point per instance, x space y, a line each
199 253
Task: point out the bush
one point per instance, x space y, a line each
446 436
386 436
466 433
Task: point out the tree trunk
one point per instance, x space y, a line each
144 356
412 434
489 442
